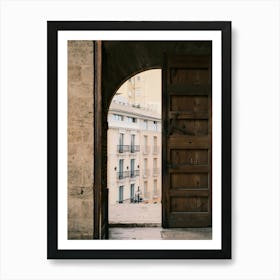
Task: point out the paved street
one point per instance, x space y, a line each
158 233
135 213
143 221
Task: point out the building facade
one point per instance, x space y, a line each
134 143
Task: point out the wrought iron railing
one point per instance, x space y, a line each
134 173
123 175
123 148
134 148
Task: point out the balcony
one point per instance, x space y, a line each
128 148
134 148
134 173
146 173
128 174
123 148
146 150
155 171
123 175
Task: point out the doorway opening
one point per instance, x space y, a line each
186 138
134 159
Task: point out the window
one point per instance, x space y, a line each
145 171
117 117
121 175
145 144
137 91
146 124
155 170
132 189
121 140
155 125
155 187
132 167
120 194
133 147
155 145
146 190
131 120
155 163
132 139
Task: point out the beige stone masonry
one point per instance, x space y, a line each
80 139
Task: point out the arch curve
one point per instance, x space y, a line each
123 59
126 79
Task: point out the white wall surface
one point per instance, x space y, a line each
255 138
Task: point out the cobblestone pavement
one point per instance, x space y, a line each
135 213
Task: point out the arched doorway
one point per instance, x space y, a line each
134 155
187 125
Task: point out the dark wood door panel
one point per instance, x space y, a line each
189 76
188 127
185 220
191 90
189 204
191 142
189 157
189 103
189 180
190 61
187 153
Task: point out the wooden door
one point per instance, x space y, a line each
187 158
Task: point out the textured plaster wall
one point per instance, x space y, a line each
80 139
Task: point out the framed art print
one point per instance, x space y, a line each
139 140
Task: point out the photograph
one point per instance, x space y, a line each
137 115
140 141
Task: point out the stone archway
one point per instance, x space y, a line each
119 61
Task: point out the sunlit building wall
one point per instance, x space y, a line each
134 141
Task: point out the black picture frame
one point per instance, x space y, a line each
53 27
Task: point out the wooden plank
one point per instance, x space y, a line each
188 168
190 204
185 141
189 193
185 181
190 61
188 127
189 90
203 219
189 115
187 157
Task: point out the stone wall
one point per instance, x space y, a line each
80 139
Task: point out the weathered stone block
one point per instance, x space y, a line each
80 139
80 90
74 73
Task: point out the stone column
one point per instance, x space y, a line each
80 139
